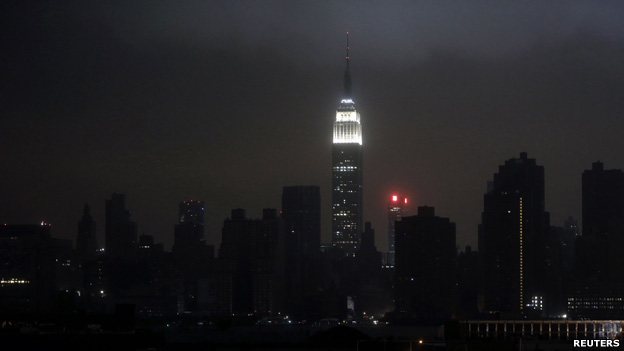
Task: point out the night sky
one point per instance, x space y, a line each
229 101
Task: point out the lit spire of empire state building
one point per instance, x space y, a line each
347 172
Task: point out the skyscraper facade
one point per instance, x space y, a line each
189 232
251 273
514 230
347 172
301 212
424 280
121 234
86 242
603 200
598 287
193 260
396 210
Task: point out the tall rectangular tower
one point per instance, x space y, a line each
603 200
396 210
513 239
121 234
301 212
347 172
598 284
86 242
251 276
189 232
424 284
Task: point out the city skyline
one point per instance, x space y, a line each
167 103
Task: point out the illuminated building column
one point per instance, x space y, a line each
347 172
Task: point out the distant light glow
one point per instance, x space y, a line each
346 101
395 198
406 201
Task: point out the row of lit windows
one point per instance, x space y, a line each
14 281
343 168
350 116
595 307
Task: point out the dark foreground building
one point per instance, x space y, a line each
513 240
597 289
301 212
251 265
425 267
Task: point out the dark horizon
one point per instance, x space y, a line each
229 102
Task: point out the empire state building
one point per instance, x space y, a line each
347 172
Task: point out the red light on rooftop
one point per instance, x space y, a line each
406 201
395 198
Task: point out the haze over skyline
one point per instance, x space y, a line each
228 102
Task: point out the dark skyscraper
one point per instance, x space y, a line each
301 212
189 232
603 200
396 210
251 256
599 275
193 259
86 242
425 266
27 269
121 236
514 228
347 172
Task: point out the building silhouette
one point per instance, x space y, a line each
189 231
251 265
468 280
154 292
425 267
193 261
397 207
86 241
374 285
121 235
301 212
27 270
598 289
347 172
121 250
514 239
603 201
